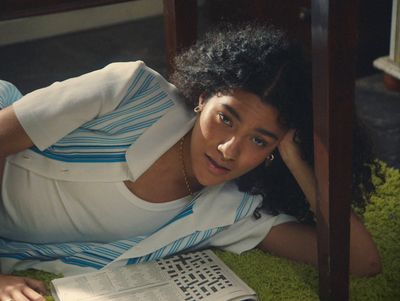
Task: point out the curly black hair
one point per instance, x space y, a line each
260 59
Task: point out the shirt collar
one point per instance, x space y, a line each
160 137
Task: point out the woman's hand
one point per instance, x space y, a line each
13 288
299 242
303 173
288 149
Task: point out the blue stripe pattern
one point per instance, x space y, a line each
245 206
107 137
8 94
97 255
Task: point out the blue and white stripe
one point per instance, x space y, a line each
8 94
246 206
107 137
98 255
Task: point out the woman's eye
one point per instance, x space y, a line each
259 142
224 119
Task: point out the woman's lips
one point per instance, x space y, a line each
215 168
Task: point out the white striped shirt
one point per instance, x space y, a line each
111 125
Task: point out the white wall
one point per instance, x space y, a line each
25 29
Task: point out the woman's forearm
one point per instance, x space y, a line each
13 137
364 255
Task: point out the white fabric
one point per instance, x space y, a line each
249 232
51 113
50 211
217 207
46 122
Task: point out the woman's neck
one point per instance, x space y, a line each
169 178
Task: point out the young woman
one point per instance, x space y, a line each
119 166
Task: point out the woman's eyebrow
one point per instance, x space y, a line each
260 130
232 111
267 133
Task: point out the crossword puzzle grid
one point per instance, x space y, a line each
195 275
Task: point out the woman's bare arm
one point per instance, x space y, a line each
299 242
13 137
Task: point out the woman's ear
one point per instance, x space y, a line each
202 100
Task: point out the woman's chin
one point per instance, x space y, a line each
211 180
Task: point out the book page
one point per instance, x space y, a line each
197 276
164 292
107 282
202 275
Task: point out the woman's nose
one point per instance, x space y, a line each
230 149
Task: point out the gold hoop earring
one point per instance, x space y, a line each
197 109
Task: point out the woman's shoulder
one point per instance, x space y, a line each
142 78
139 68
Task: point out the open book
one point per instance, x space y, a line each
196 276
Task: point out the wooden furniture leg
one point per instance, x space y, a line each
180 17
334 31
333 48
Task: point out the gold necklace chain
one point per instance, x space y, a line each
181 155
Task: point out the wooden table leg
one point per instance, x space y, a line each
180 17
334 32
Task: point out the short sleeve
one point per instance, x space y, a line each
247 233
51 113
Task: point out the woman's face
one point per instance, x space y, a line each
233 134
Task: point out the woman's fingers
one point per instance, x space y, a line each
288 148
37 285
32 294
20 289
5 298
17 295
